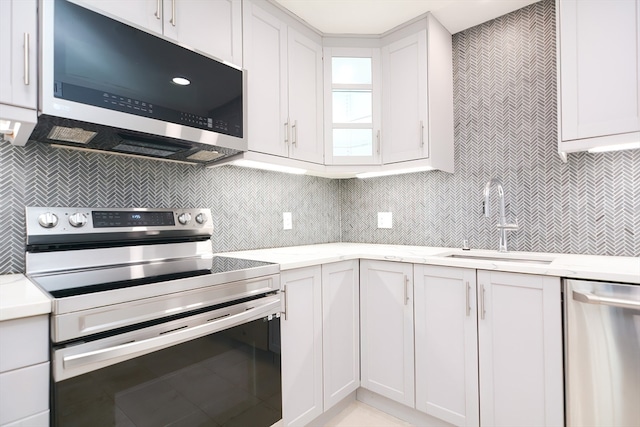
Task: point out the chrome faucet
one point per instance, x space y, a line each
503 226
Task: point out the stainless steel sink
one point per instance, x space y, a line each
501 259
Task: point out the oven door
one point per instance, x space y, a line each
219 368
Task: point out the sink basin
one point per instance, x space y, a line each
501 259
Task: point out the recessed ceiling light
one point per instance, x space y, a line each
181 81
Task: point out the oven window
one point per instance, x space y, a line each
231 378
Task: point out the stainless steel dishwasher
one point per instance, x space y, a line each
602 353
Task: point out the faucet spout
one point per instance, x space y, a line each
503 226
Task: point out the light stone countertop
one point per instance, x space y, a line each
589 267
21 298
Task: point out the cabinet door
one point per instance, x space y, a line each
446 344
341 330
404 99
18 47
599 68
145 14
301 328
386 325
305 98
520 350
212 27
265 58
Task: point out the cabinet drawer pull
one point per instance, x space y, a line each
421 133
467 300
482 307
26 59
158 9
378 138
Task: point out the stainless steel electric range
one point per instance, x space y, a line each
148 326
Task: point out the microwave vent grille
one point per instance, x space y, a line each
66 134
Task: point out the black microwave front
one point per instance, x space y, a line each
101 71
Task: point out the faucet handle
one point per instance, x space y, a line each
512 227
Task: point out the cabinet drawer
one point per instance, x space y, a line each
24 392
23 342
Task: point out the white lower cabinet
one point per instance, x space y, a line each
447 344
24 371
509 372
386 326
340 330
520 349
301 328
320 339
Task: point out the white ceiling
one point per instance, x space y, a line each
379 16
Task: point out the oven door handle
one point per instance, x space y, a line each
77 364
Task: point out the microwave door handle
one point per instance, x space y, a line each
77 364
589 298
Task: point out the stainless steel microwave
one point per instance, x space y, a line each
106 85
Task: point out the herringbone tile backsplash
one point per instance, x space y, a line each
246 204
505 126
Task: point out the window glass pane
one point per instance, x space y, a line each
352 106
351 70
353 142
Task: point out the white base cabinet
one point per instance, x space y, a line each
301 336
24 371
507 374
340 330
320 339
447 344
386 325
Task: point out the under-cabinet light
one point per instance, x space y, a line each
617 147
393 172
268 166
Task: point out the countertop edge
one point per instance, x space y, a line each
20 298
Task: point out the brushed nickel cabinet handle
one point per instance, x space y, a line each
468 299
378 138
294 133
173 20
158 9
421 133
482 307
286 302
26 59
406 290
286 133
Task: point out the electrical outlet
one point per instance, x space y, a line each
287 221
385 220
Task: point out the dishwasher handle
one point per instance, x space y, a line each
589 298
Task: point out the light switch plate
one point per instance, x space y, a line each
287 221
385 220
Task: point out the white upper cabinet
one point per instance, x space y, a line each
598 73
212 27
284 72
305 98
352 107
386 327
417 95
18 50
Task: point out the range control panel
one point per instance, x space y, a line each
60 222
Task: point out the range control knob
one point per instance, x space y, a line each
78 219
184 218
201 218
48 220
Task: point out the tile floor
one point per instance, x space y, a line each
358 414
